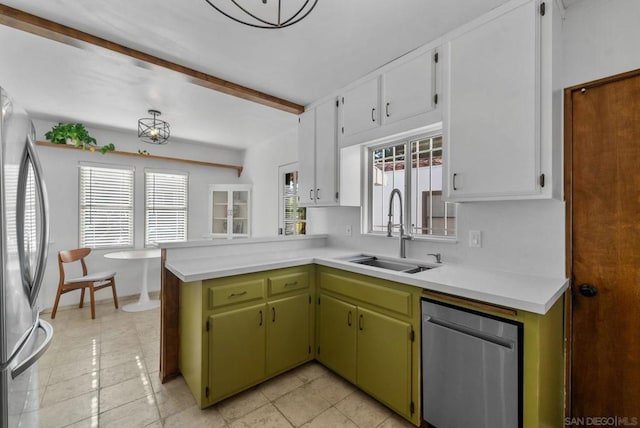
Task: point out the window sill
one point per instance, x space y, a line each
421 238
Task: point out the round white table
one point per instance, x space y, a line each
144 303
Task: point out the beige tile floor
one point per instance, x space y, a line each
104 372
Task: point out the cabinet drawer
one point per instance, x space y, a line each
289 282
236 293
382 296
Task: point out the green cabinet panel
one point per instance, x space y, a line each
243 291
238 331
384 359
236 350
337 336
279 284
370 290
288 342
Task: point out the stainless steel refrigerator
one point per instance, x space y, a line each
24 233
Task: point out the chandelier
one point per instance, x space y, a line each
275 14
153 130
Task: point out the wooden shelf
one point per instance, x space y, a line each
165 158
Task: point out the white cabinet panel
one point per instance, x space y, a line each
492 119
318 155
409 89
360 108
307 157
326 153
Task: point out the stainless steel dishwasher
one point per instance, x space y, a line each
471 368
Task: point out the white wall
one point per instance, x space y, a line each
60 170
261 168
599 39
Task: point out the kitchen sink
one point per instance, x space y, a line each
388 264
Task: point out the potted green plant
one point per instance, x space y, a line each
77 135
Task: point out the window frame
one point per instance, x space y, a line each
132 208
405 139
282 170
146 208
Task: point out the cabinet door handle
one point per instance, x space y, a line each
373 112
361 323
387 110
454 181
311 194
242 293
317 193
260 317
349 319
273 314
291 284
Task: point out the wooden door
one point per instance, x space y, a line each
603 193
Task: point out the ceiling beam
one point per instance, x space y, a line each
24 21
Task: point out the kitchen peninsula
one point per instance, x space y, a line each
221 282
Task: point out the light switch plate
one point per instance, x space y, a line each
347 230
475 239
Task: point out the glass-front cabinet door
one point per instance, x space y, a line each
229 211
240 212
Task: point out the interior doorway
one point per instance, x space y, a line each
602 189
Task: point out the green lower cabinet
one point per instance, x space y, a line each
366 331
288 341
337 336
384 359
236 350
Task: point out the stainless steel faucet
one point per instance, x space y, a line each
403 237
438 257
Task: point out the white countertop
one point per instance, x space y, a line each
525 292
144 253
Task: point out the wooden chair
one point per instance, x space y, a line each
94 281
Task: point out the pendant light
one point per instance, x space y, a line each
271 14
153 130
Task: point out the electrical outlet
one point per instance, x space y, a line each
347 230
475 239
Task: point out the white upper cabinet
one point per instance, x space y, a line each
361 108
307 157
497 86
326 153
409 88
400 97
318 154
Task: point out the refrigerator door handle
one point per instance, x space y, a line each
36 354
32 284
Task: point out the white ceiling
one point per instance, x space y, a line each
340 41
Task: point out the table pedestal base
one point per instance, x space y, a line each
141 305
144 303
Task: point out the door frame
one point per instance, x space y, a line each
568 197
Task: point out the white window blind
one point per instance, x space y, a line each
106 206
166 202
